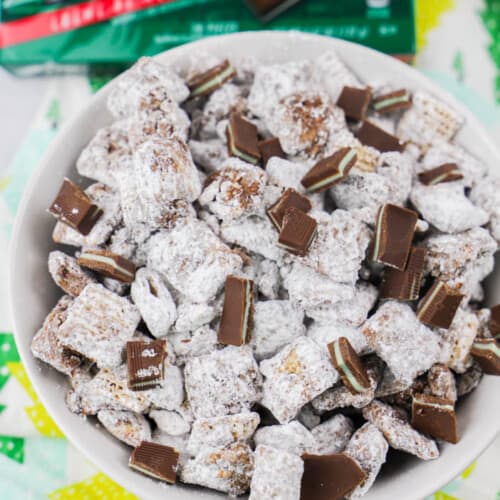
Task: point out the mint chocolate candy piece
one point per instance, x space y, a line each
235 324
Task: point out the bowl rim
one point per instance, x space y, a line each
205 44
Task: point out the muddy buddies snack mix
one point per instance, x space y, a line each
276 276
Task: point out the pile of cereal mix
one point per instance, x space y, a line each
277 276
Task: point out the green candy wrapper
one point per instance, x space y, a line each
37 32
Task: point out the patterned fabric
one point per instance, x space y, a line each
32 446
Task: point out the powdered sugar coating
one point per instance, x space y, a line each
285 480
398 432
106 155
291 438
407 346
446 207
325 333
296 375
332 435
166 172
304 121
340 396
457 340
309 289
171 422
273 83
153 299
235 190
131 428
275 324
442 382
333 74
98 325
192 259
461 260
352 312
428 121
46 345
192 344
227 469
107 391
369 448
67 273
221 431
224 382
341 235
468 381
209 155
137 81
191 316
486 195
362 193
256 234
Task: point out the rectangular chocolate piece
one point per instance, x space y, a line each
347 363
404 285
487 353
235 324
330 170
354 102
439 305
73 207
435 417
269 148
393 236
392 101
494 324
155 460
448 172
329 477
268 9
290 198
371 135
145 364
242 139
208 81
297 231
108 264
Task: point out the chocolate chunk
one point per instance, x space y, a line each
242 139
392 101
495 321
329 477
208 81
297 231
439 305
330 170
355 102
267 9
371 135
435 417
347 363
447 172
404 285
73 207
235 324
487 353
108 264
290 198
269 148
393 236
155 460
145 364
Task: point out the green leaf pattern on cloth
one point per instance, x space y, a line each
12 447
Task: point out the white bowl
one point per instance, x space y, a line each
32 292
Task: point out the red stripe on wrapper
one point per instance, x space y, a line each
68 18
